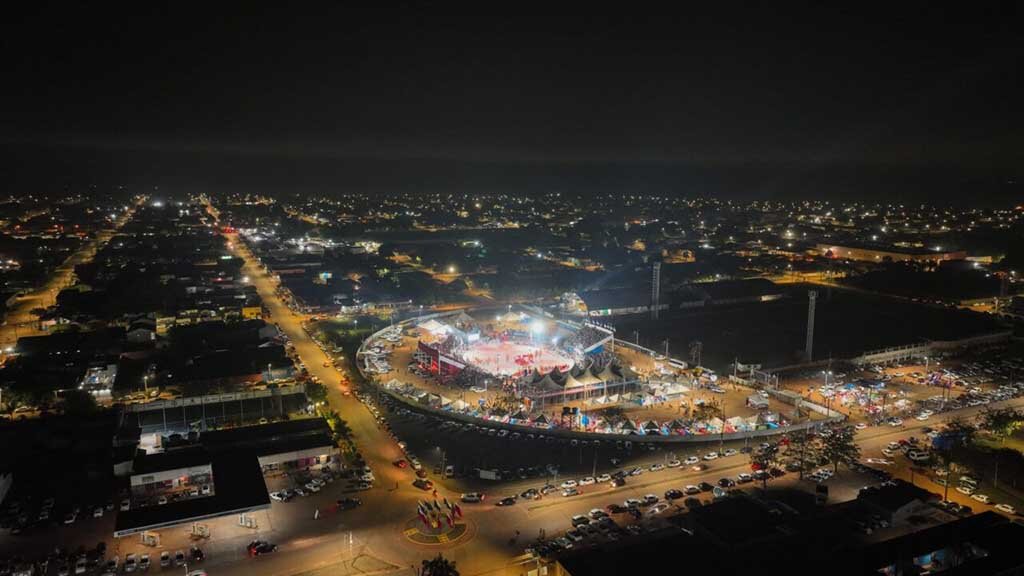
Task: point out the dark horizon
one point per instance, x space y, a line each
916 104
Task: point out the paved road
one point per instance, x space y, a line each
19 321
379 522
376 526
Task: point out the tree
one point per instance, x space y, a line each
1001 422
11 402
79 403
439 566
316 392
839 446
707 410
798 442
957 434
764 458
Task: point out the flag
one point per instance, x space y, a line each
447 504
437 506
457 510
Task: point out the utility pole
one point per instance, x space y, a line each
695 351
636 337
666 347
655 290
809 345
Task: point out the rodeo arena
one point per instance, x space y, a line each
525 368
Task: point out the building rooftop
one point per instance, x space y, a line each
171 460
240 488
892 497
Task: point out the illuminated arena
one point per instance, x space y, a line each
505 346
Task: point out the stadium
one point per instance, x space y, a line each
522 367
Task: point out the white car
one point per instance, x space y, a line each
691 460
657 467
658 508
896 422
1006 509
569 484
472 497
711 456
604 478
983 498
587 481
144 562
730 452
861 426
129 563
964 489
80 565
674 464
312 487
922 417
881 461
97 512
919 455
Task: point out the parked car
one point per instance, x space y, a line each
260 547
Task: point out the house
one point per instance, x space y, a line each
896 501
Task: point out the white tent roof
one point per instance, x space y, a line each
434 327
459 405
571 382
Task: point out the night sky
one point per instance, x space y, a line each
906 102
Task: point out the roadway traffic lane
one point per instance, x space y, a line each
392 506
19 321
393 500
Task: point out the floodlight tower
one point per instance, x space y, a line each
812 296
655 290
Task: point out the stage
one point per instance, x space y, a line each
513 358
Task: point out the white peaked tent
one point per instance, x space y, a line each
434 327
607 375
459 405
587 378
571 382
548 383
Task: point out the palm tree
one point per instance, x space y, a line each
439 566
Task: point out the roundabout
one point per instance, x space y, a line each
429 533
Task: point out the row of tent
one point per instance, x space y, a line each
589 373
598 425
